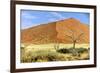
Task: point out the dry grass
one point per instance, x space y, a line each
47 52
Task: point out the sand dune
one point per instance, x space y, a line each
56 32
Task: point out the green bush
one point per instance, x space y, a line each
64 50
75 51
81 50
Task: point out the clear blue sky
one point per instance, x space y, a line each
31 18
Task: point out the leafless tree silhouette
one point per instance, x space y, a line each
74 36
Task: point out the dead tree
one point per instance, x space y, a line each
74 37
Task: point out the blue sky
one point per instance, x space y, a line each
31 18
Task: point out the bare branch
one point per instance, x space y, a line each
79 36
70 37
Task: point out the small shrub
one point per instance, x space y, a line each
82 50
26 59
64 50
22 47
49 56
54 56
70 58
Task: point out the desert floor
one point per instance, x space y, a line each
53 52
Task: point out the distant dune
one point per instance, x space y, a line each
56 32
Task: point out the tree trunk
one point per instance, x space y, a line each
74 50
74 43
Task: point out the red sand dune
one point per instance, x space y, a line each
56 32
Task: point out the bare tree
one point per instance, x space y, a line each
74 36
